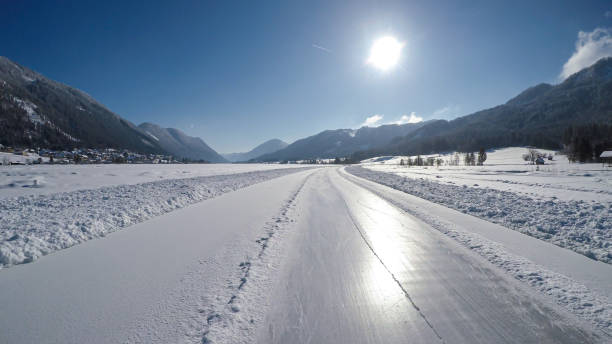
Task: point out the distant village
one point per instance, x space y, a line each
37 156
27 156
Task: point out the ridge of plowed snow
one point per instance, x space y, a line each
34 226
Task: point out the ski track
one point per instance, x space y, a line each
34 226
569 294
233 316
583 227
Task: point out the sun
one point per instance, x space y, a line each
385 53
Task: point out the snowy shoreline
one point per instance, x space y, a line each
36 225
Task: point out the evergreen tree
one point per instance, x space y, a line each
585 151
419 161
482 156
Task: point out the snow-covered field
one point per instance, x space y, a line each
47 179
505 170
569 205
38 223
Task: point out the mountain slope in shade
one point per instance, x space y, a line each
538 117
341 142
180 144
38 112
267 147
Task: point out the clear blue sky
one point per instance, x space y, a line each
237 73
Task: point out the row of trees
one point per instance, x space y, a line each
419 161
469 159
336 161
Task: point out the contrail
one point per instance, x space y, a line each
321 48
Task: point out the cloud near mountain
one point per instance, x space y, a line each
376 120
371 121
413 118
590 47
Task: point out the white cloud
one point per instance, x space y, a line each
375 120
413 118
590 47
371 121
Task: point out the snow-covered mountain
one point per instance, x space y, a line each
37 111
267 147
180 144
341 142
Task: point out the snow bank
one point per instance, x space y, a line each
584 227
36 225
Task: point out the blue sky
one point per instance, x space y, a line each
237 73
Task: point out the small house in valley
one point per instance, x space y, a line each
606 157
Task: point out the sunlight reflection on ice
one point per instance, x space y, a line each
378 222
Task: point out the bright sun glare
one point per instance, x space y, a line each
385 53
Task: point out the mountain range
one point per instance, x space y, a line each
538 116
179 144
38 112
341 142
267 147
